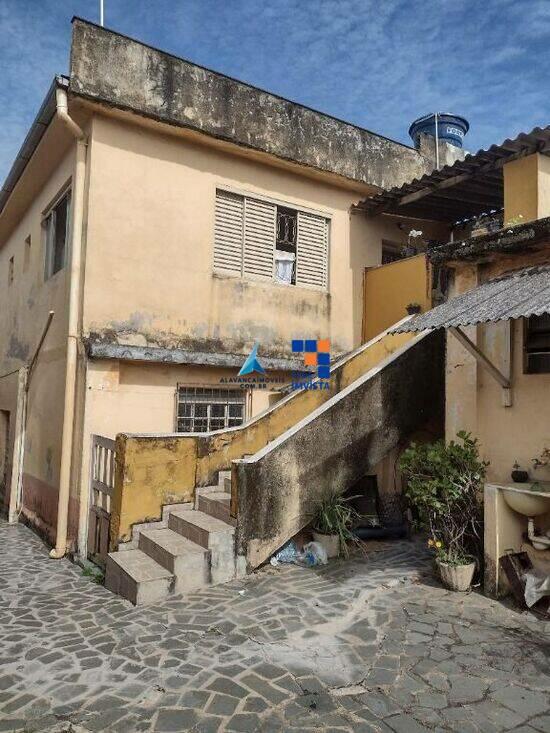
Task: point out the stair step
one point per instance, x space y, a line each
203 490
189 562
198 526
212 534
222 477
137 577
217 504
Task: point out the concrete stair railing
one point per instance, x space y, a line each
154 470
276 489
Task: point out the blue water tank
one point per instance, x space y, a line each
451 128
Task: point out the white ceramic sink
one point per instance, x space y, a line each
525 501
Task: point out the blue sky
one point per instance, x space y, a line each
377 63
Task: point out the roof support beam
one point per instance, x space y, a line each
488 365
475 172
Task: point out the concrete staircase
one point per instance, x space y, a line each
191 547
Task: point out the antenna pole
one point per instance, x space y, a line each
436 138
101 13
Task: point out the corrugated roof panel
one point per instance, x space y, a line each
518 294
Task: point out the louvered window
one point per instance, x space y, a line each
261 240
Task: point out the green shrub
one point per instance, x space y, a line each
444 484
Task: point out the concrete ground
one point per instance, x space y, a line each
371 644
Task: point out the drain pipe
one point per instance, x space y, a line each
75 278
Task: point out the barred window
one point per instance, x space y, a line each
202 409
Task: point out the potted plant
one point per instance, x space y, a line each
518 475
332 523
444 484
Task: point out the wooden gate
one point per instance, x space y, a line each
102 482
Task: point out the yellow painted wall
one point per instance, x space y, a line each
527 188
543 186
24 308
390 288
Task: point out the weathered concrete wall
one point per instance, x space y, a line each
159 469
24 308
114 69
278 488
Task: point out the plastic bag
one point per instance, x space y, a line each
314 554
287 554
537 585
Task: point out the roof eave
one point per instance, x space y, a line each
32 140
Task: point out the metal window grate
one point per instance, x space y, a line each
202 409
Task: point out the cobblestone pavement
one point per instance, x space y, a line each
372 644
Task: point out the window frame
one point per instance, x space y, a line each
321 213
235 391
527 351
49 224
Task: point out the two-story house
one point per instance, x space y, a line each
159 221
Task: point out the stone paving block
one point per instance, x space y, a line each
173 719
164 664
404 724
524 702
222 705
228 687
541 723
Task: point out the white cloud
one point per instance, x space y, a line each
377 64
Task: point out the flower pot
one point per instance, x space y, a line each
330 542
519 476
456 577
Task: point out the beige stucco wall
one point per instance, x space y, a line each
24 307
474 399
150 248
518 433
141 397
